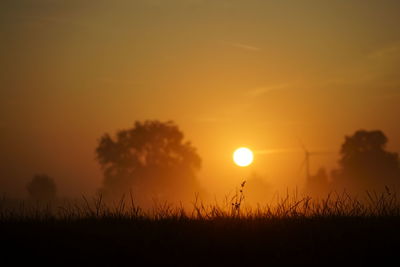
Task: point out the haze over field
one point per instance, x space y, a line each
230 73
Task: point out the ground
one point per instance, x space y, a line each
225 241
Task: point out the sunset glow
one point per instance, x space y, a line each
243 157
199 132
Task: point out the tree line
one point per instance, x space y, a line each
153 159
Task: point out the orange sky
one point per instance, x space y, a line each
230 73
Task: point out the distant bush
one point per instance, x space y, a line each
42 188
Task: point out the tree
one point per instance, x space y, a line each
151 158
365 164
42 188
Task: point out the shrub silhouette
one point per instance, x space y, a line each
42 188
365 164
151 158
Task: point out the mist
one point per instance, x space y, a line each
223 71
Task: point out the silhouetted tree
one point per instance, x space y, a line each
151 158
365 164
42 188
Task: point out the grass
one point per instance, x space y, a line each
384 204
293 230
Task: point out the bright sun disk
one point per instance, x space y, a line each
243 156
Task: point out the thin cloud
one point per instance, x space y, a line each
246 47
214 119
50 20
390 95
208 119
275 151
159 3
314 151
388 52
119 81
263 90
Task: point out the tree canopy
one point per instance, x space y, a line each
365 163
149 158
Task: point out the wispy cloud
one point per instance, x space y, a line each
258 91
213 119
50 20
246 47
275 151
378 68
119 81
390 95
391 51
313 151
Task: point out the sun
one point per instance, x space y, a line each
243 156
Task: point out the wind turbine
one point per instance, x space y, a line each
307 156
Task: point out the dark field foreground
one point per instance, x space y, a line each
316 235
215 242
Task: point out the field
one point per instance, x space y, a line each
335 230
